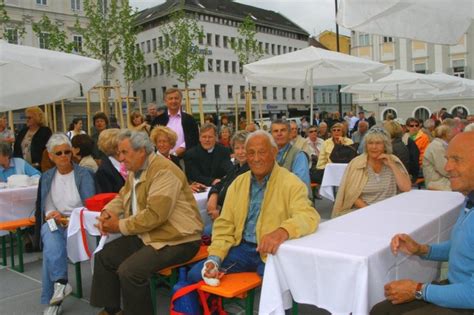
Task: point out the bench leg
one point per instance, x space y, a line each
19 244
153 286
249 300
78 293
4 250
12 250
294 308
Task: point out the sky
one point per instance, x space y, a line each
314 16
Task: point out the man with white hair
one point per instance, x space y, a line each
157 215
264 207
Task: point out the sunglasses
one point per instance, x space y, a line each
336 129
411 126
65 152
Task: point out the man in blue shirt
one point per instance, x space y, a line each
10 166
456 294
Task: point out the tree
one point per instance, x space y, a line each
53 36
11 31
181 50
246 47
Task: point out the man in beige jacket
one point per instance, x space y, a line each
157 215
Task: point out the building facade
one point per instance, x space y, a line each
421 57
222 81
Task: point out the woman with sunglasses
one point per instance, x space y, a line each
31 140
62 188
371 177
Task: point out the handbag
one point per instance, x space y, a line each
342 153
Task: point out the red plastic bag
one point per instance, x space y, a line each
99 201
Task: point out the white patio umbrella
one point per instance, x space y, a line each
434 21
32 76
313 66
405 84
466 88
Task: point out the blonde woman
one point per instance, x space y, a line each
138 123
164 140
110 176
31 141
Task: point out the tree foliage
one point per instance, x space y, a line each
181 52
57 38
7 27
246 46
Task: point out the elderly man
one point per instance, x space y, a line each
288 156
209 161
6 135
160 225
63 188
323 132
358 136
454 295
152 113
263 208
180 122
10 166
297 140
361 118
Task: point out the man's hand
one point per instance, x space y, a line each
215 181
211 270
56 215
400 291
270 242
108 222
197 187
180 151
405 244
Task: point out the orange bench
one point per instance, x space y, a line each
15 227
171 274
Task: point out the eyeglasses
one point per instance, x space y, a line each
411 126
65 152
336 129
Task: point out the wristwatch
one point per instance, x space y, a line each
419 291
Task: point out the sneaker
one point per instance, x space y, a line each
60 292
52 310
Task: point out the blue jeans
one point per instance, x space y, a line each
54 259
245 257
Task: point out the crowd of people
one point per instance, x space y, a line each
259 191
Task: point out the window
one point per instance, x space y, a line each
168 66
330 97
12 36
44 40
232 42
254 92
264 92
225 39
364 40
387 39
142 45
77 39
154 44
290 49
241 67
284 49
284 93
167 41
148 46
148 68
160 42
162 68
274 93
273 49
459 111
234 66
226 66
41 2
75 5
163 90
210 65
153 94
217 91
209 39
293 93
203 90
218 40
242 92
389 111
422 113
458 68
144 96
420 67
302 94
229 91
218 65
278 50
323 97
155 69
267 48
201 40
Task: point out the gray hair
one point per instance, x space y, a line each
261 133
281 122
208 126
5 149
240 137
429 123
152 105
377 133
57 139
469 127
138 140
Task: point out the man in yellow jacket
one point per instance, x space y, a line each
263 208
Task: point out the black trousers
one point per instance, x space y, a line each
125 266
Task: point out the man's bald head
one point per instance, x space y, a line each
460 162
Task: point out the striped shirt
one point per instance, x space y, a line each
379 186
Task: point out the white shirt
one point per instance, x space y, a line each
134 196
115 163
174 123
63 196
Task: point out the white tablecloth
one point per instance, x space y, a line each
75 245
17 203
345 264
332 178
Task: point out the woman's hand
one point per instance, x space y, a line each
386 159
212 208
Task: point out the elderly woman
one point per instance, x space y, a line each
399 149
434 160
225 136
218 191
82 147
31 141
138 123
63 188
111 175
371 177
75 128
10 166
164 139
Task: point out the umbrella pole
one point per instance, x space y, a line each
55 125
139 105
260 109
46 115
88 112
63 114
10 121
128 106
201 108
236 95
311 100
